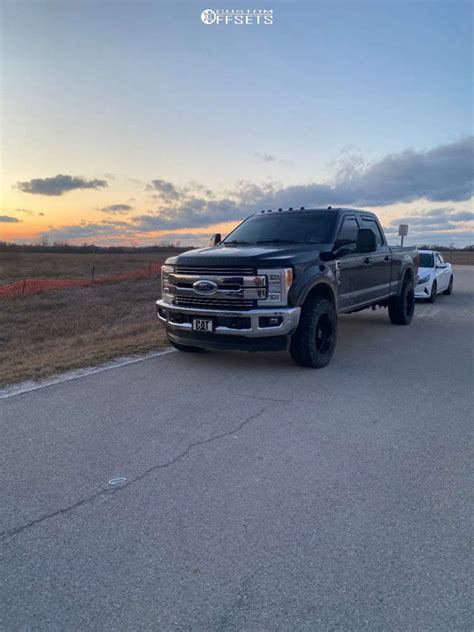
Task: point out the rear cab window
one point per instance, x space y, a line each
371 222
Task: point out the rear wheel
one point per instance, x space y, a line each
434 293
449 289
314 341
402 307
187 348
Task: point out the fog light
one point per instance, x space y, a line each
270 321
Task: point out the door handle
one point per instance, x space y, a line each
367 261
386 258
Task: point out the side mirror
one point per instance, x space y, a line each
366 241
215 240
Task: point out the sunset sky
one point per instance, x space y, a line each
134 122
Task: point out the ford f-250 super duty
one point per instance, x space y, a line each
279 280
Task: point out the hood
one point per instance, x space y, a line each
422 272
252 256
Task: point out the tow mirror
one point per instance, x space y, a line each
366 241
215 240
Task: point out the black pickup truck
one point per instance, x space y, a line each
280 279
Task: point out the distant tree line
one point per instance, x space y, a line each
90 248
161 247
446 248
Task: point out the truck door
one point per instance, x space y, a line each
378 264
349 265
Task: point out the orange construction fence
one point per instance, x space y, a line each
25 287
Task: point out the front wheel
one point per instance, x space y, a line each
449 289
402 307
313 343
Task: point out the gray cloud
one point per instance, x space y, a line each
57 185
443 217
436 225
7 219
165 190
107 228
444 173
117 208
440 174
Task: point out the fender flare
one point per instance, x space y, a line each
408 268
321 282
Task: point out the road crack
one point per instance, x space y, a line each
5 535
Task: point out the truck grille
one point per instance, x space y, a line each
214 271
213 303
229 288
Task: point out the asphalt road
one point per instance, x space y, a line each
259 497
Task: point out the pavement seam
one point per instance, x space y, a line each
5 535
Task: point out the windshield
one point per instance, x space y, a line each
311 227
426 260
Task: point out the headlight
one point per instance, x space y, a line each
278 285
424 279
166 293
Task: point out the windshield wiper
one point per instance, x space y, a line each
276 241
236 242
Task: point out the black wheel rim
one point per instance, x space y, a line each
324 334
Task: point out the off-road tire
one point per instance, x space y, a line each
434 293
449 289
312 344
402 307
186 348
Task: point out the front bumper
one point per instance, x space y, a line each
238 323
423 290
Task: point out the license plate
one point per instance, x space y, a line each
202 324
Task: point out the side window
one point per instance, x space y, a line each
369 222
347 237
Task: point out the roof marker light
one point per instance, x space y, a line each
291 208
302 208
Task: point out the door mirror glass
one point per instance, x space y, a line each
366 240
215 240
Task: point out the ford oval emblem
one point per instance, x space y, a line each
205 287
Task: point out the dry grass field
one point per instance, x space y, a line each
15 266
55 331
459 257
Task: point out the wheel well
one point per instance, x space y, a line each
321 290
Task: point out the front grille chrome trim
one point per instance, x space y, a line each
218 271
